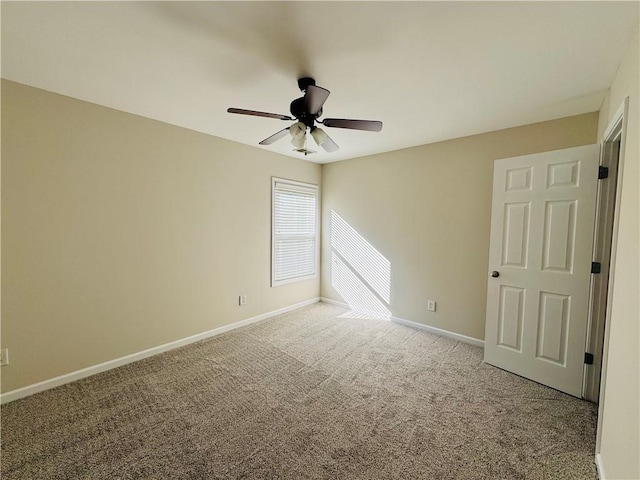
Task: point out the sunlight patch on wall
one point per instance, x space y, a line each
359 273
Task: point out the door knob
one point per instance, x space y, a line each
495 274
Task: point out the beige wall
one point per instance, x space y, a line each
620 405
121 233
427 210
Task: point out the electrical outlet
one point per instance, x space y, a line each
431 305
4 357
242 300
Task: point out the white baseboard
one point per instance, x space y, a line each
600 467
134 357
334 302
438 331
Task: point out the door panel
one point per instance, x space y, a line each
516 234
559 235
542 227
553 323
511 316
518 179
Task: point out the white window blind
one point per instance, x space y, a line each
294 231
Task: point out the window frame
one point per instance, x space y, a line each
310 188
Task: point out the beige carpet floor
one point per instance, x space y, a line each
306 395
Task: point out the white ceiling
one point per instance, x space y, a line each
429 70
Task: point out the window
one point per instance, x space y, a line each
294 231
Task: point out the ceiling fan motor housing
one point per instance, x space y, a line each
298 110
304 82
297 107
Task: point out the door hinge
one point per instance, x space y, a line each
596 267
603 172
588 358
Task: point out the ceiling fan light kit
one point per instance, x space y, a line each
323 140
319 135
298 141
297 130
306 110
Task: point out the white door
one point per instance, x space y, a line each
542 225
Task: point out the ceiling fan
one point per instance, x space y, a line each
306 111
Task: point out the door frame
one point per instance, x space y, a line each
603 251
615 131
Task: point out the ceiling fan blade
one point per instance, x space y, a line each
370 125
275 137
314 98
258 114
